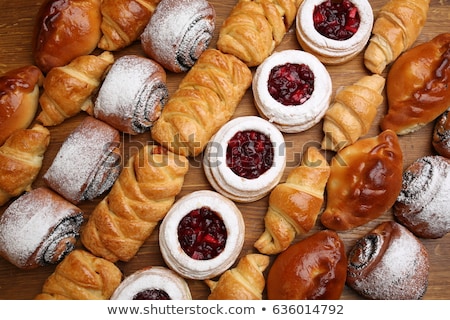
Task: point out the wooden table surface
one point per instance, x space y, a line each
16 23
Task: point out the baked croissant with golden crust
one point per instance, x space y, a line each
244 282
206 99
396 28
255 27
137 202
295 204
68 90
352 112
21 159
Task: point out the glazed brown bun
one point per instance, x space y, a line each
389 263
64 30
313 268
441 135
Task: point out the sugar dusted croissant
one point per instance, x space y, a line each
364 182
21 159
123 21
206 98
244 282
352 112
396 28
295 204
138 200
255 27
68 90
81 276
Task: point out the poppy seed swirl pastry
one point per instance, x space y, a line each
178 32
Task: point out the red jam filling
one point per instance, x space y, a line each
337 20
291 83
249 154
202 234
152 294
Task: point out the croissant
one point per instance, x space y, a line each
123 22
295 204
21 159
244 282
69 89
138 200
396 28
81 276
353 112
205 99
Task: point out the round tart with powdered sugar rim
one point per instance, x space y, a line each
301 116
328 50
152 283
222 153
226 243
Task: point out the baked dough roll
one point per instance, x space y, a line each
88 162
39 228
441 135
206 99
132 95
137 202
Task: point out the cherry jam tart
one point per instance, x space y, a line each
291 83
337 20
249 154
202 234
152 294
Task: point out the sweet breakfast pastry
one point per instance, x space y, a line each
153 283
178 32
69 89
388 263
132 95
19 91
352 112
295 204
139 199
334 31
422 205
64 30
202 235
123 22
313 268
88 162
39 228
441 135
81 276
245 159
423 93
246 281
255 28
206 99
397 26
292 89
365 180
21 159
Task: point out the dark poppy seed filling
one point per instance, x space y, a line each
291 83
249 154
202 234
337 20
152 294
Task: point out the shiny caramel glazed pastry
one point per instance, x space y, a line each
388 263
441 135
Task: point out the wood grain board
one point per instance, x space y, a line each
16 23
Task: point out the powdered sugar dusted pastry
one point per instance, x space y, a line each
245 159
389 263
39 228
202 235
86 165
132 95
153 283
178 32
301 104
320 36
422 205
